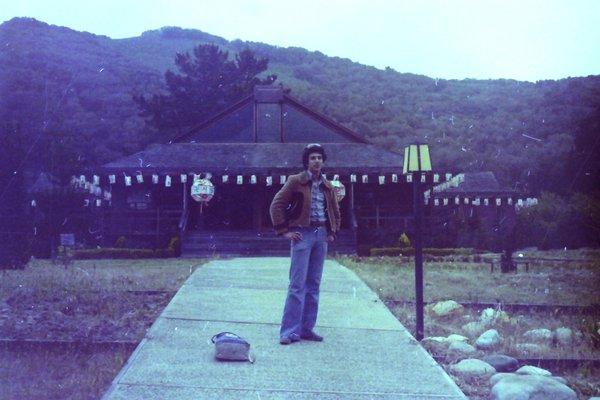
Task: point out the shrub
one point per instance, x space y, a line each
410 251
120 242
113 252
404 241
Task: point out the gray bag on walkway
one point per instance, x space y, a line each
231 347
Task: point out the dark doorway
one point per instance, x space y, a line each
229 209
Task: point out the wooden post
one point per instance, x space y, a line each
156 239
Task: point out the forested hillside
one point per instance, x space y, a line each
67 95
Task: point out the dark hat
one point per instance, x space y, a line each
312 148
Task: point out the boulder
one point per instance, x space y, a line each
543 336
501 362
531 370
529 349
473 329
563 336
525 387
457 338
446 308
488 339
472 367
489 317
460 348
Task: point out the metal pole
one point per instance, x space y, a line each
418 240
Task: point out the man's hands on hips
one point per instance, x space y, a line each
297 236
293 235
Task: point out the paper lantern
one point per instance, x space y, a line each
112 179
140 178
498 202
381 179
448 177
353 178
253 179
436 178
395 178
365 179
240 179
445 202
339 189
225 178
282 179
96 180
423 178
409 178
154 179
183 178
269 181
202 190
167 181
127 180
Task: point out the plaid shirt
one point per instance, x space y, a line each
317 203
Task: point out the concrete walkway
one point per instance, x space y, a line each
366 354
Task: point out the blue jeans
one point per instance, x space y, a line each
302 303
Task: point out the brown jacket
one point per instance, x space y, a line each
296 193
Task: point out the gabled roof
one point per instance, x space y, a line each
271 104
472 183
254 158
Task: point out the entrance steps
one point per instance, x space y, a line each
251 243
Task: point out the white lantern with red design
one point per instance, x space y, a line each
339 189
202 191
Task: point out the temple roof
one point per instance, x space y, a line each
484 183
255 158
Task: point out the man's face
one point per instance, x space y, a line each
315 162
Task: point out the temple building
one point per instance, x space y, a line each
246 153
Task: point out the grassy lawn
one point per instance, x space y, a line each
556 282
88 301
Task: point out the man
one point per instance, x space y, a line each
314 220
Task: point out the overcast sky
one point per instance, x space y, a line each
514 39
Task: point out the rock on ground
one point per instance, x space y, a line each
435 344
472 367
531 370
501 362
563 336
460 348
530 387
457 338
543 336
445 308
473 329
488 339
528 349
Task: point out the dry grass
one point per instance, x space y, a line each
61 372
88 301
559 283
392 278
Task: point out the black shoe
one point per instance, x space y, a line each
312 336
285 340
293 337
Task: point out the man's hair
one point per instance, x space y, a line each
312 148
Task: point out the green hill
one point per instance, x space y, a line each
73 90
